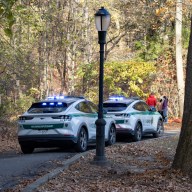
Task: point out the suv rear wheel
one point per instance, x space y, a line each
160 129
138 132
27 149
112 136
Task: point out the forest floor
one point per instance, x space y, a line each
132 167
8 137
139 166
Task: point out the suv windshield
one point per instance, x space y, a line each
48 107
111 107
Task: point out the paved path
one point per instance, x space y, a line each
15 168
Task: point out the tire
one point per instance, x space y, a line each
160 129
138 132
81 144
27 149
111 136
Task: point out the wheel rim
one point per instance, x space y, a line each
112 135
138 132
83 139
160 128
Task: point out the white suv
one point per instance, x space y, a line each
58 122
134 117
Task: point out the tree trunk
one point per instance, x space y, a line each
183 156
179 65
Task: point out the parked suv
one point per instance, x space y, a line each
134 117
57 122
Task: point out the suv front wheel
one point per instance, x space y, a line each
111 136
81 144
160 129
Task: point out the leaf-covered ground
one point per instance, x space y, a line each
143 166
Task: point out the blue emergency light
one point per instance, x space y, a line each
117 97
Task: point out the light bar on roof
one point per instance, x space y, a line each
55 97
50 98
117 97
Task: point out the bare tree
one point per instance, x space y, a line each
183 156
179 64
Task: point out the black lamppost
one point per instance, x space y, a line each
102 21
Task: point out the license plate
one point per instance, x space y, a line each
43 131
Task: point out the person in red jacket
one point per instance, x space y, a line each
151 100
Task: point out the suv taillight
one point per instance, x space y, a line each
25 118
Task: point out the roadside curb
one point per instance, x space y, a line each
53 173
174 131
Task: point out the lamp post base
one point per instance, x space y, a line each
100 160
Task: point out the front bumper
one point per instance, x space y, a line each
47 140
124 131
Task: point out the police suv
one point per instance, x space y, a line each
59 121
134 117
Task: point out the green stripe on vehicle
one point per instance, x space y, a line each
83 115
143 113
89 115
43 126
119 121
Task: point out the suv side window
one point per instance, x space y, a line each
94 108
146 107
83 107
139 106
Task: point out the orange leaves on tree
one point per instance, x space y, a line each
160 11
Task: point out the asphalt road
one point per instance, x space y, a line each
15 168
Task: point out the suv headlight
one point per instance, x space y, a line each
127 115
